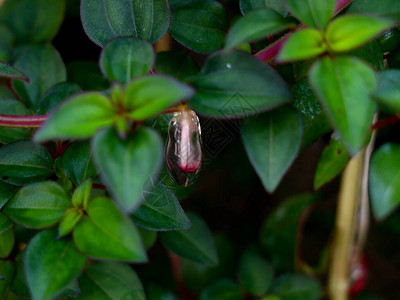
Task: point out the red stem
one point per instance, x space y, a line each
176 271
22 121
389 121
271 51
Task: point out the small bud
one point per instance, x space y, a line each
183 150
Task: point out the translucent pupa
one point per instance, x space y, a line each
183 150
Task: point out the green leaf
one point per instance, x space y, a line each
161 211
44 67
7 239
343 86
105 20
51 265
352 31
123 59
195 244
90 80
155 292
18 284
388 8
110 281
69 220
313 13
177 64
13 107
126 165
223 289
237 84
296 286
148 237
247 6
199 25
38 205
77 162
332 161
255 273
37 21
7 270
80 117
303 44
55 95
149 96
278 235
6 43
6 192
315 122
105 233
197 276
384 180
372 53
254 26
8 71
388 91
272 142
25 160
80 198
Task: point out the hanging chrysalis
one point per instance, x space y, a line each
183 150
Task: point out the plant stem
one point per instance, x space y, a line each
22 121
271 51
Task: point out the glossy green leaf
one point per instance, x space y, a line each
195 244
55 95
77 162
222 290
127 165
38 205
69 220
80 198
90 80
303 44
237 84
279 231
176 63
105 20
37 21
25 160
388 8
314 119
148 96
296 286
272 142
8 71
7 270
247 6
123 59
343 86
388 91
6 192
384 180
199 25
254 26
255 273
351 31
313 13
105 233
332 161
161 211
44 67
51 265
79 117
110 281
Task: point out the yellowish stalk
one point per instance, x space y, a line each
164 44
